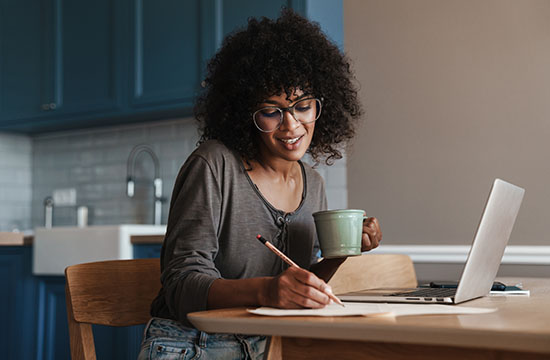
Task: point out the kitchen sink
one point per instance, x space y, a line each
56 248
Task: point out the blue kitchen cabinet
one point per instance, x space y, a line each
20 60
165 51
171 42
60 61
52 333
17 303
74 64
147 251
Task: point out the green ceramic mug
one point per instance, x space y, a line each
339 232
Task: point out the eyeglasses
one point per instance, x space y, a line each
270 118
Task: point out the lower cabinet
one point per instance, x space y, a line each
52 333
17 303
36 315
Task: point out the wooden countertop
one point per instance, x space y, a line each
20 239
146 239
15 239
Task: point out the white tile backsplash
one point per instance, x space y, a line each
15 181
94 162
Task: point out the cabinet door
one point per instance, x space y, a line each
60 58
17 303
165 52
52 339
81 59
21 92
147 251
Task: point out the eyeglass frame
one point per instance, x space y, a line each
290 109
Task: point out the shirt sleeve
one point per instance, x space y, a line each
191 243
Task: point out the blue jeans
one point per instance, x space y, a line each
168 339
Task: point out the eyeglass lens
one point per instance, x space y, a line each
270 118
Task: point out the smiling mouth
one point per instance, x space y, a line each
291 141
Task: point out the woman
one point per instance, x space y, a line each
274 91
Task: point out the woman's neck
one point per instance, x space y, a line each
278 168
280 183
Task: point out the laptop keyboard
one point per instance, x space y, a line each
427 293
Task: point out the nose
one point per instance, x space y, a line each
289 121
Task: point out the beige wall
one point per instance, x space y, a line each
456 93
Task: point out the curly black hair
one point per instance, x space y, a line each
264 59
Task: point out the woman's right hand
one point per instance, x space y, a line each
296 288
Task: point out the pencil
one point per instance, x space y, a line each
292 263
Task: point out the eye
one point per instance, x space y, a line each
269 112
304 105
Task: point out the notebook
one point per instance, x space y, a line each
483 261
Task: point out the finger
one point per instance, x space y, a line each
309 297
366 243
372 228
307 277
369 241
371 222
373 237
282 290
309 286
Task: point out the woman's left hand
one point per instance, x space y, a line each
372 235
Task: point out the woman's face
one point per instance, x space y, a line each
292 139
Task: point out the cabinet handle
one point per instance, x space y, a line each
52 106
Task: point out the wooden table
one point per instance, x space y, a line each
520 329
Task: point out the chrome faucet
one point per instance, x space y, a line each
157 182
48 212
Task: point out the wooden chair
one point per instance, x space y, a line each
370 271
113 293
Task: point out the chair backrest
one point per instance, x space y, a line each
113 293
371 271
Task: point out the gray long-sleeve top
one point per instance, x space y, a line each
216 212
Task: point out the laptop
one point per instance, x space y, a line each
483 260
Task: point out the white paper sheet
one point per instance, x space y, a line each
373 309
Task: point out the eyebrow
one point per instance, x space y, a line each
273 102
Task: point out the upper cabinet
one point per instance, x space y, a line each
68 64
165 48
171 42
60 59
82 55
20 59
